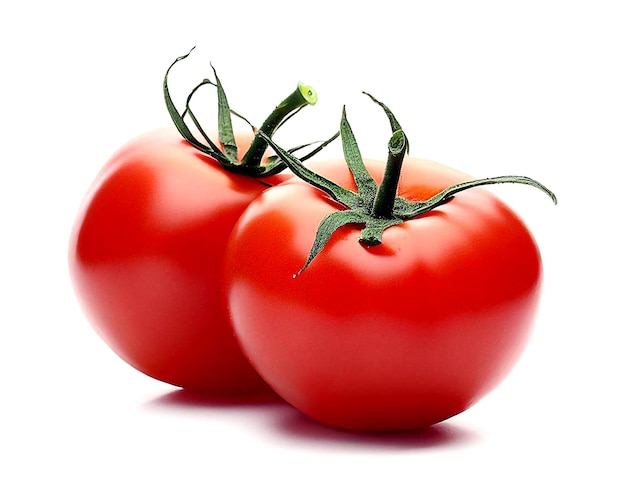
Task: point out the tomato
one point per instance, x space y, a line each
148 243
399 335
145 258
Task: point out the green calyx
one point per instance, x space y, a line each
377 207
252 162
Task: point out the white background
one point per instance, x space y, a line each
489 87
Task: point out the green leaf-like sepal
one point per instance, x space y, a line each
393 121
365 184
329 225
275 164
224 122
179 120
414 209
213 147
332 189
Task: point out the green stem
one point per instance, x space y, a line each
387 192
302 96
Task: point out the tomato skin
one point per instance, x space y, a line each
145 257
396 336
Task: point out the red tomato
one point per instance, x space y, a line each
396 336
145 258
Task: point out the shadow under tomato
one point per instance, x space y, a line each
181 399
288 425
295 425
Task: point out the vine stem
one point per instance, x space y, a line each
302 96
386 194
